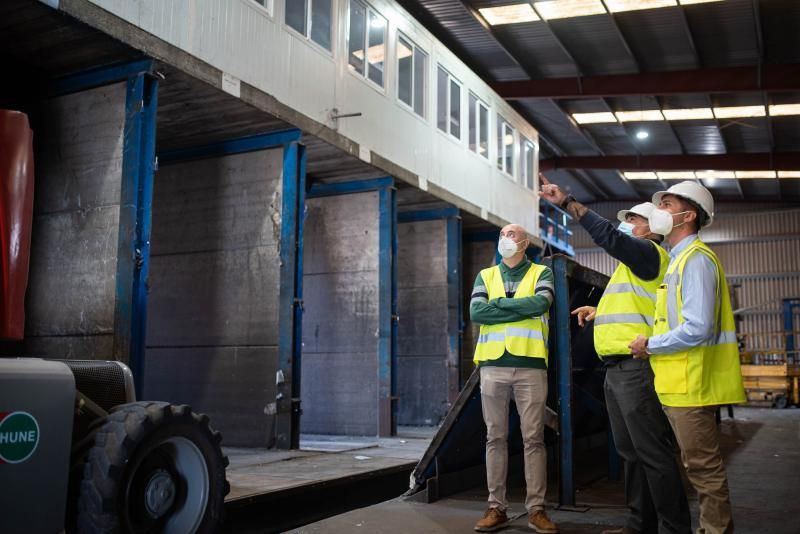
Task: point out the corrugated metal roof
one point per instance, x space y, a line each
724 32
746 135
700 137
595 44
540 52
717 34
461 25
659 39
780 22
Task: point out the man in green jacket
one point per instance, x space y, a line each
510 301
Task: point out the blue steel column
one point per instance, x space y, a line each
387 318
287 433
298 300
788 324
455 307
133 250
563 359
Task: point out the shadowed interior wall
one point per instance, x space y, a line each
422 329
212 328
78 163
339 389
478 255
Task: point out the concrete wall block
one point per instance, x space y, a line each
422 329
79 151
341 312
422 254
340 324
73 273
478 255
234 386
422 391
227 297
341 234
97 347
72 284
340 394
218 204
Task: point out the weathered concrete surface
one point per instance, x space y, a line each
761 454
212 323
477 255
71 295
339 389
422 329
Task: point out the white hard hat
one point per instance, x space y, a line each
694 192
644 209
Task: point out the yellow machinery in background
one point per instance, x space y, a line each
771 363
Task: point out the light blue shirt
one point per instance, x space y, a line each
699 295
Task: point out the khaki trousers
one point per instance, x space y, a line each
528 387
698 437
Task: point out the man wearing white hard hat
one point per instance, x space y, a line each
694 351
653 487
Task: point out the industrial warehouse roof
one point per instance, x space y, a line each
714 85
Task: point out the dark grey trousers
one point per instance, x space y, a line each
653 486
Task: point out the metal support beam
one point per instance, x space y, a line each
427 215
100 76
355 186
562 351
455 308
750 78
231 146
290 307
756 161
387 314
136 203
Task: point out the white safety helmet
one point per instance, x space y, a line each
644 209
694 192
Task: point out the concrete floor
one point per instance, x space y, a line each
762 450
322 458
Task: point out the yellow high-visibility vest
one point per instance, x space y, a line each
706 375
520 338
626 309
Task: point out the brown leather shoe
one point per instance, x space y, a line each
539 522
493 519
623 530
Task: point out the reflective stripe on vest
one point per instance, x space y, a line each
626 309
526 338
710 373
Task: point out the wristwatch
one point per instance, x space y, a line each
567 200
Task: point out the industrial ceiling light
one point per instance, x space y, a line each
636 175
688 114
618 6
740 112
594 118
788 174
509 14
707 175
639 116
562 9
641 135
784 109
689 2
678 175
755 174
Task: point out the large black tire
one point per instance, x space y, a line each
147 470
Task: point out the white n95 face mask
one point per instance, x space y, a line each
661 221
507 247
